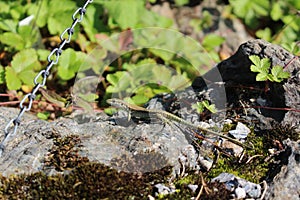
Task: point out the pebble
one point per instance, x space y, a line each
236 184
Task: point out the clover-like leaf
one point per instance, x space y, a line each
22 69
12 80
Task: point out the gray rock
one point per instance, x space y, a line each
103 140
286 184
240 193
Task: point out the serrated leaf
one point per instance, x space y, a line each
255 60
265 64
125 13
12 80
27 77
261 77
8 25
13 40
260 65
254 68
279 74
24 60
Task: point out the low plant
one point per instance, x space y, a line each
265 71
200 106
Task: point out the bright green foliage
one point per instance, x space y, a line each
254 12
278 74
293 48
132 14
22 69
55 14
69 63
199 106
250 10
125 13
211 41
145 79
262 66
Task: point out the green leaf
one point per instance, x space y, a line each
8 25
276 12
211 108
140 99
13 40
126 12
12 80
211 41
69 63
250 10
59 22
279 74
255 59
120 81
261 77
265 34
41 7
199 107
22 69
260 65
24 60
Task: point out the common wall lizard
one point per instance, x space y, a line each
118 103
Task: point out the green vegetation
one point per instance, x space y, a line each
200 106
30 29
263 67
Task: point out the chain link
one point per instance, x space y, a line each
53 59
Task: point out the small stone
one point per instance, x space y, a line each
205 163
161 189
241 131
240 193
232 148
193 187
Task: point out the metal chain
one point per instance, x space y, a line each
52 60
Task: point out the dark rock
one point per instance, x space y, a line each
286 184
235 71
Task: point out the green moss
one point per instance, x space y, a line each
90 181
253 167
